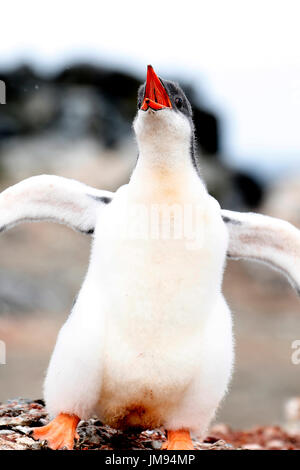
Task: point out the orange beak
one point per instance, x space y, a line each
156 96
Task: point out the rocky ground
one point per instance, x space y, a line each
18 417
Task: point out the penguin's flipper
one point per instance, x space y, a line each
54 199
265 239
59 433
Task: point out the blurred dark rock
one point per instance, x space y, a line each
207 131
249 188
87 101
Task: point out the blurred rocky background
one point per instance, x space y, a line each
77 123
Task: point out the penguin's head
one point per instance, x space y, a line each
164 116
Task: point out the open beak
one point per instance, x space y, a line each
156 96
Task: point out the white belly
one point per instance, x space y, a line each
158 297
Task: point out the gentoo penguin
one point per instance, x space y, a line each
149 340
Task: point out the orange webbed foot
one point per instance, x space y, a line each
178 440
59 433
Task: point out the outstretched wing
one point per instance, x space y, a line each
52 198
265 239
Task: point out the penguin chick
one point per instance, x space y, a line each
149 340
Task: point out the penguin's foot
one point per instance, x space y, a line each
178 440
59 433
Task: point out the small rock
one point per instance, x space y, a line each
276 444
252 446
156 445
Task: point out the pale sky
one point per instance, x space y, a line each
243 57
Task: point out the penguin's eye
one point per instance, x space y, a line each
178 102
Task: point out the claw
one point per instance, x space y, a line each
59 433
